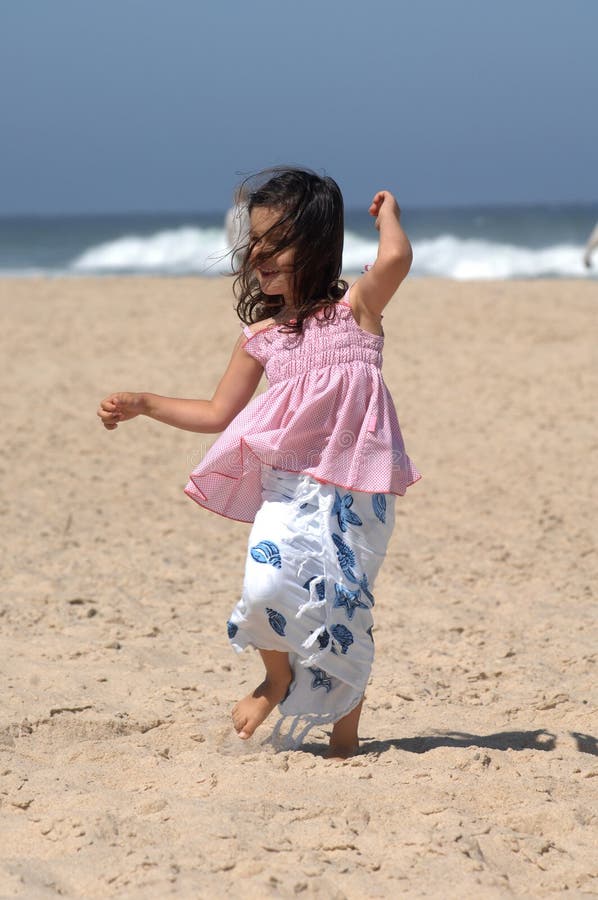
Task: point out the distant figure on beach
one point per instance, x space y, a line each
236 224
316 462
591 246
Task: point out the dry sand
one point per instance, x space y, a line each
120 775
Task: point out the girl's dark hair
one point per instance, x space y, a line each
312 223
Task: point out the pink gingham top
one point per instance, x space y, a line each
326 413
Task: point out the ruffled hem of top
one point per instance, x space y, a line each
238 495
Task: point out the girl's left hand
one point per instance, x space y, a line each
384 204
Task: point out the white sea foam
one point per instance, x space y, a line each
464 260
174 252
203 251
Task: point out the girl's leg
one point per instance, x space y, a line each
257 706
344 740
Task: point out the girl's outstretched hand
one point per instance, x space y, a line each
119 407
384 204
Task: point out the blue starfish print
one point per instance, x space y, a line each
320 679
342 511
349 599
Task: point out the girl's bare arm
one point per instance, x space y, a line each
235 390
372 291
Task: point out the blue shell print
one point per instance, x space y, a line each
379 505
267 552
323 639
343 636
277 621
348 599
231 629
346 558
320 679
341 509
320 587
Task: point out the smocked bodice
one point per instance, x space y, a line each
323 342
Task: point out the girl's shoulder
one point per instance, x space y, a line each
364 320
251 330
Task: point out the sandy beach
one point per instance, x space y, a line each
120 774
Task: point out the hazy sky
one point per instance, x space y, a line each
126 105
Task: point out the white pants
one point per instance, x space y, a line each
314 553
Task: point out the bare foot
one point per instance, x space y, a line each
254 708
341 751
344 741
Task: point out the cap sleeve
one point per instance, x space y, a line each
256 346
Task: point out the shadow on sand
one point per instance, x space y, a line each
539 739
585 743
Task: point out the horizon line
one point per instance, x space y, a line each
405 208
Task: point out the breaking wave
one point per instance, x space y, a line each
203 251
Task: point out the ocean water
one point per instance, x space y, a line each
499 242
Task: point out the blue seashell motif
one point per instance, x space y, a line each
277 621
342 511
363 584
231 629
320 587
369 631
267 552
346 558
379 504
320 679
349 599
344 637
323 639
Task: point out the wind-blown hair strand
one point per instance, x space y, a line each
312 223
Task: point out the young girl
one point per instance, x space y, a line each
315 462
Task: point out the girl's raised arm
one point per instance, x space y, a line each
235 390
373 290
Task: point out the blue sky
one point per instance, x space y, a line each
134 105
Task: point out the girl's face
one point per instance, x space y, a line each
274 273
